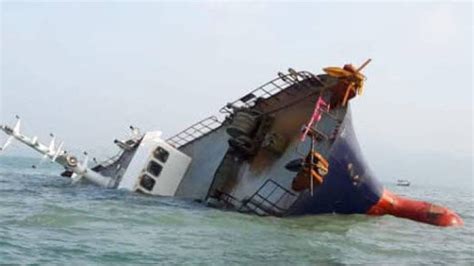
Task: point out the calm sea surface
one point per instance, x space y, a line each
46 220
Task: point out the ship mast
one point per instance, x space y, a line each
58 155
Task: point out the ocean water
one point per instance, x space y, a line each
44 219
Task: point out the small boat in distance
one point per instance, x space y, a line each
403 183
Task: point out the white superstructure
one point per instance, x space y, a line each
147 163
157 168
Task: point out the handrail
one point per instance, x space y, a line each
109 161
195 131
267 90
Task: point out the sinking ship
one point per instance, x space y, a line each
287 148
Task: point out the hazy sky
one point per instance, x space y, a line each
88 70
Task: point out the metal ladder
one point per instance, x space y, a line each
267 200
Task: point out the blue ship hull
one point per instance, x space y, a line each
349 187
281 178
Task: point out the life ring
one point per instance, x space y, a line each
71 161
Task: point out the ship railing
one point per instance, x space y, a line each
195 131
109 161
267 90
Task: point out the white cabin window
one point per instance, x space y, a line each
161 154
154 168
147 182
